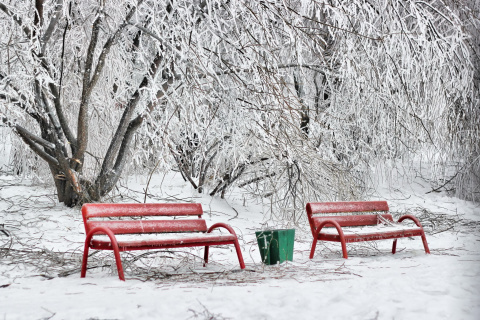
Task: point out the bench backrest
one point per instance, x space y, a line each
352 213
122 211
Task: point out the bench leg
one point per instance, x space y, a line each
341 235
118 261
84 261
314 245
342 241
239 255
344 248
424 240
205 257
425 244
116 251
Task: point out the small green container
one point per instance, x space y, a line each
276 246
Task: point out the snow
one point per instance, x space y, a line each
378 229
371 284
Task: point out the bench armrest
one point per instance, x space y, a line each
334 223
222 225
103 230
317 231
113 241
410 217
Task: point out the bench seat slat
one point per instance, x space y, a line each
141 209
150 226
165 241
370 233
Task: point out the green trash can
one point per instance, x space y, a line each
276 246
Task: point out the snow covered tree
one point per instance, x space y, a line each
465 123
291 99
54 67
80 78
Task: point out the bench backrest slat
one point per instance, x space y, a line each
91 210
339 207
150 226
360 213
349 221
125 210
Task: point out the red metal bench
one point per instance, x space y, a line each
359 221
162 230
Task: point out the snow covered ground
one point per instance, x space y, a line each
40 264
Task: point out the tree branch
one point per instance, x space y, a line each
16 18
24 132
61 117
89 83
125 121
51 26
31 140
108 45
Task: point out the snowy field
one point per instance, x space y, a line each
41 256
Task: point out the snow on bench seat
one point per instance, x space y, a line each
370 233
151 241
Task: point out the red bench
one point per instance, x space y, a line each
358 221
150 226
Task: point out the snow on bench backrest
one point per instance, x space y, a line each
121 226
90 210
346 207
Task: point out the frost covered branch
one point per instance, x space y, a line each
293 101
